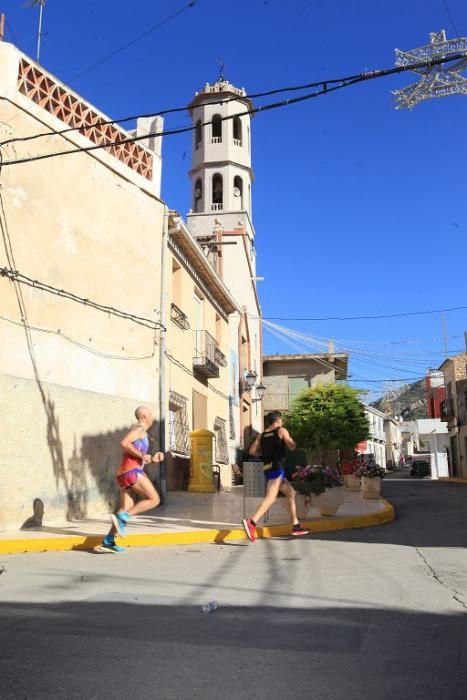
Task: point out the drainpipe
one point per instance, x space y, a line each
162 358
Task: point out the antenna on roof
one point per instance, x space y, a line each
41 4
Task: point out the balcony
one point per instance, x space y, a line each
207 355
217 206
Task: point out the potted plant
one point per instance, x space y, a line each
323 485
371 474
352 480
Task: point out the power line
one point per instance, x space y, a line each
345 82
360 318
451 18
133 41
16 276
82 346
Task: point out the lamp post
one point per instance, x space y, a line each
250 381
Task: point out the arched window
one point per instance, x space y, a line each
198 134
216 128
238 192
217 192
197 195
237 131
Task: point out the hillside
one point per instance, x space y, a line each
408 401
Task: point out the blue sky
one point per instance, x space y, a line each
359 209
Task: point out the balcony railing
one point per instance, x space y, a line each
179 317
216 139
237 142
205 360
217 207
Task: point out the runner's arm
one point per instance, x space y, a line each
255 447
289 442
126 444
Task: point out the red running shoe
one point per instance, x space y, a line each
298 530
250 529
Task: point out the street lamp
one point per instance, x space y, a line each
250 381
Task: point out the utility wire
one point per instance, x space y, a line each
359 318
451 18
82 346
345 82
133 41
16 276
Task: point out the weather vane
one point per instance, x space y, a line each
222 68
437 80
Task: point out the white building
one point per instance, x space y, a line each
428 436
376 443
220 219
393 440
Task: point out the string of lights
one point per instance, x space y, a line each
325 89
16 276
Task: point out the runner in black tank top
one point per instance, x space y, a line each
271 445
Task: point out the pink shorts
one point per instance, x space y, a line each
126 480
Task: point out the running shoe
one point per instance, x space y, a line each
250 529
110 548
298 530
119 523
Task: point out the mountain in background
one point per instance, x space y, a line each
409 402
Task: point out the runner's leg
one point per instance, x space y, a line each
146 491
289 493
272 489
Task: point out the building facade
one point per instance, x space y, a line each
376 443
435 393
80 295
393 441
285 376
196 356
455 412
220 219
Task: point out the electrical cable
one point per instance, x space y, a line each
358 318
16 276
133 41
345 82
451 18
60 333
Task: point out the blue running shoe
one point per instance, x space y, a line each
119 521
108 548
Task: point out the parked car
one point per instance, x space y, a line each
421 466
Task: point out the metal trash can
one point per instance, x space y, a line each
254 483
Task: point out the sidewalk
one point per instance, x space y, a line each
193 518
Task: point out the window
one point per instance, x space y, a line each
237 131
222 452
238 190
217 192
178 424
197 195
216 126
232 419
296 385
198 134
176 283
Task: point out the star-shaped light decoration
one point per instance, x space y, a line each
437 80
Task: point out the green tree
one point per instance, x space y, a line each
327 417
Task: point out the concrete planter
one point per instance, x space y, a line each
354 482
303 506
329 502
371 487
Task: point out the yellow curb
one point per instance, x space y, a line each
67 543
453 479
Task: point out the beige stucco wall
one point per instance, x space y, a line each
77 224
276 380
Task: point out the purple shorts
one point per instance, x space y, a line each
127 479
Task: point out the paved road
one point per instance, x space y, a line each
371 614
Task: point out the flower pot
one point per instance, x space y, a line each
328 502
371 486
353 482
